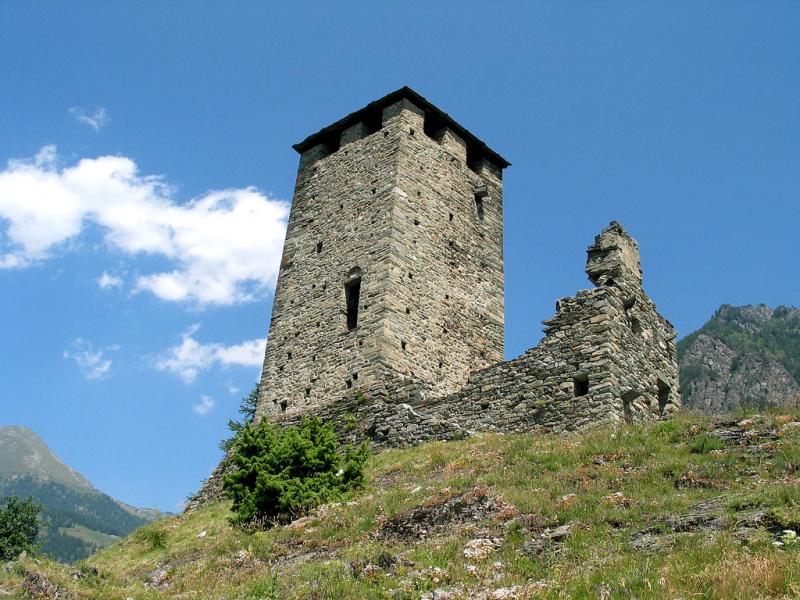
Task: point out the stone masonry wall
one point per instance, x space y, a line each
340 220
446 288
395 207
607 356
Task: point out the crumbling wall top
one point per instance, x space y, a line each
613 259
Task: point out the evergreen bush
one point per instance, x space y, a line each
281 473
247 408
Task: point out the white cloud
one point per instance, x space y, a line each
232 389
204 406
190 357
96 119
224 246
107 281
93 363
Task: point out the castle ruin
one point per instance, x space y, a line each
389 304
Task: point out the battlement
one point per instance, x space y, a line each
435 123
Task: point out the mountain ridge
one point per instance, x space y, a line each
82 518
746 356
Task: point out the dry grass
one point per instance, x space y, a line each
750 577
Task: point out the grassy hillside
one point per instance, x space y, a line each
683 508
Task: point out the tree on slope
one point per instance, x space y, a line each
20 520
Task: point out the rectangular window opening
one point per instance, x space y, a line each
352 292
581 384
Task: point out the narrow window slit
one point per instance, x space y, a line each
352 292
479 206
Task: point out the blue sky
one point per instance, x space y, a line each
146 169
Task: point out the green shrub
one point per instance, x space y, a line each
154 536
670 429
703 443
280 473
20 520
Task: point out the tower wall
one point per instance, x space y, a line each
385 201
340 220
446 315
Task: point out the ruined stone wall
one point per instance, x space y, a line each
562 384
643 344
607 357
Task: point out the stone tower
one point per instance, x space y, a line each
391 279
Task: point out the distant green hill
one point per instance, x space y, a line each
82 519
743 356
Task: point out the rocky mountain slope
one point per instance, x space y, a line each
746 356
685 508
82 518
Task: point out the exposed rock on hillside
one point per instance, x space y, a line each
744 356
